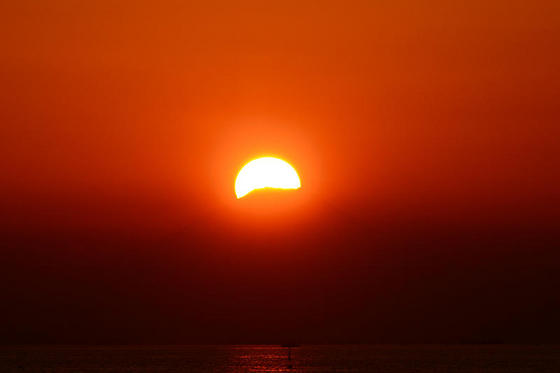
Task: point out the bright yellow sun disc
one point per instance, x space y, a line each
266 172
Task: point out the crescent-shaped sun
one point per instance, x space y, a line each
266 172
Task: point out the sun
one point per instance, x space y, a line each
266 172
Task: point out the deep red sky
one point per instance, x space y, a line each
419 128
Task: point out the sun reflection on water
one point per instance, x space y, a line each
263 359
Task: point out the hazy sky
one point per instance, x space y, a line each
425 133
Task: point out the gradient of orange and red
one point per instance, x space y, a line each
425 134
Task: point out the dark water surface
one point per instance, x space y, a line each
359 358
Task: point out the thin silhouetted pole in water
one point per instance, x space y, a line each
289 347
290 358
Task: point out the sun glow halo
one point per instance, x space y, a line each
266 172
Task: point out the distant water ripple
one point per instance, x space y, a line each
234 359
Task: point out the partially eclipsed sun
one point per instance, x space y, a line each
266 172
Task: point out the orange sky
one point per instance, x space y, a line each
425 133
395 105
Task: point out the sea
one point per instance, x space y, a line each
305 358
